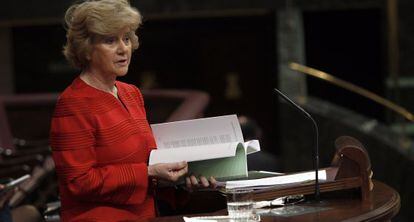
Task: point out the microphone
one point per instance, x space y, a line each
316 157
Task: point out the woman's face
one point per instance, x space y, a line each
111 55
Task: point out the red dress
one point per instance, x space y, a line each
101 146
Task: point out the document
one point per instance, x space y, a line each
212 146
285 180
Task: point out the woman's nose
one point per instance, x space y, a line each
122 47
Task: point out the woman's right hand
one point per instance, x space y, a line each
168 171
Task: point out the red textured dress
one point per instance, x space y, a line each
101 146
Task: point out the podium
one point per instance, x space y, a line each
348 194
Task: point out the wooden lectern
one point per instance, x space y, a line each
348 194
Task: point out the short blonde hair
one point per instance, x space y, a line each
92 18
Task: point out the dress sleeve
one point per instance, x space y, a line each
72 140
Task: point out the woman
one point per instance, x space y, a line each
100 137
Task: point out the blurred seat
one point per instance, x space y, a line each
15 171
25 121
30 186
18 166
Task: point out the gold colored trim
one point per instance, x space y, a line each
393 55
353 88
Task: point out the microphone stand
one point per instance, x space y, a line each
316 157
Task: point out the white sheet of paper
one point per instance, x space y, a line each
278 180
197 153
199 139
204 219
190 154
198 132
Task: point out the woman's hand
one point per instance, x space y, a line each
192 182
168 171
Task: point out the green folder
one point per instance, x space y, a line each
222 169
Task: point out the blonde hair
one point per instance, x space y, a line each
93 18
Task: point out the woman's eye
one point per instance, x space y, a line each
127 39
109 40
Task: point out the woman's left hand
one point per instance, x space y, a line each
193 183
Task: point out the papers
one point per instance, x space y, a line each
275 181
198 132
212 146
204 219
194 153
225 218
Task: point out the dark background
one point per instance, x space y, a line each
199 44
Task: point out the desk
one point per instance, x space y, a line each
382 206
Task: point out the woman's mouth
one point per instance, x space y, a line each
122 62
